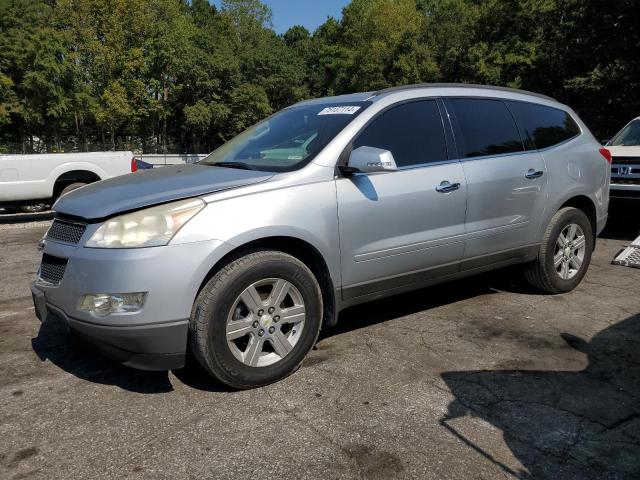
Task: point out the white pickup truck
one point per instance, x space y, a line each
35 181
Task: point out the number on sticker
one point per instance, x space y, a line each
343 110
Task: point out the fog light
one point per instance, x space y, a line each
103 304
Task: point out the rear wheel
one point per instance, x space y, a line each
71 187
256 319
565 253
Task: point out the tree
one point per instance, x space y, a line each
37 72
8 99
160 75
250 18
385 45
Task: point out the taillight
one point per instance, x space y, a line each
134 165
606 154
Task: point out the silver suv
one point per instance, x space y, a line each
241 259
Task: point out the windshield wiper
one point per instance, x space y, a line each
239 165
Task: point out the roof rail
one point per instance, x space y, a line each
459 85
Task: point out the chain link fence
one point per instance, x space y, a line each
138 148
151 154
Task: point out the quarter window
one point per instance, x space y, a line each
486 127
543 126
412 132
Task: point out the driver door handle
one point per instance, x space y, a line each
446 187
531 174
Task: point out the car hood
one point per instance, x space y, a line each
622 151
151 187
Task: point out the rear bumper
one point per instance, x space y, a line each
158 346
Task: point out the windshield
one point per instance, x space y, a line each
287 140
629 136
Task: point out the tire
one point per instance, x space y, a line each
11 210
547 275
71 187
37 208
220 313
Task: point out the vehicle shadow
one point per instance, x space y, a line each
65 350
624 221
363 183
69 352
195 376
508 279
562 424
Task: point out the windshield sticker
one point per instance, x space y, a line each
346 110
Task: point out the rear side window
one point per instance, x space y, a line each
543 126
486 127
412 132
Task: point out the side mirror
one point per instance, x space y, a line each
370 160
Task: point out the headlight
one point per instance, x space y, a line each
150 227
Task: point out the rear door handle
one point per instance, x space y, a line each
531 174
446 187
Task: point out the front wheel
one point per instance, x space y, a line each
565 253
256 319
36 208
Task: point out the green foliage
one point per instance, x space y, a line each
8 99
387 44
184 75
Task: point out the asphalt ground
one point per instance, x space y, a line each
475 379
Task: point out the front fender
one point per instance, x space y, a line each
305 212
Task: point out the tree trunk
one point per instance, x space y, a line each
76 140
164 118
83 134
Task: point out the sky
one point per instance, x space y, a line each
308 13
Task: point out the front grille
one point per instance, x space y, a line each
625 181
626 160
68 232
617 194
625 170
52 269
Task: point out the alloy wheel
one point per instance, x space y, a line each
265 322
569 251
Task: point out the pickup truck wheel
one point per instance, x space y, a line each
11 210
71 187
565 253
38 207
256 319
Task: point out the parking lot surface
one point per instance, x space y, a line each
475 379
